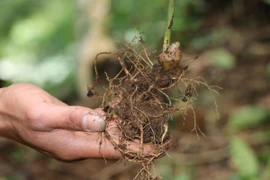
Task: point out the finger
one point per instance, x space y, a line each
100 112
106 149
97 145
79 145
133 147
71 117
73 145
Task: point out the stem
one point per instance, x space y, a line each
167 35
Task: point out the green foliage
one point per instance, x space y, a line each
176 171
222 58
38 44
248 116
266 1
210 39
150 18
42 32
15 10
182 177
244 158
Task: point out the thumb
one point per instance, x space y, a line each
86 119
74 118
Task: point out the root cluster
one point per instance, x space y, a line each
143 105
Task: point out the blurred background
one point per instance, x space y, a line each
53 44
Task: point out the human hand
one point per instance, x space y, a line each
33 117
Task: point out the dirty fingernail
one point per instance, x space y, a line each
93 123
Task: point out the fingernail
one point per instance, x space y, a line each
93 123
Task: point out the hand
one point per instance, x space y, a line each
33 117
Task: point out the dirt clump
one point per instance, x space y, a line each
142 102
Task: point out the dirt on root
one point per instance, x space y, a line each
143 105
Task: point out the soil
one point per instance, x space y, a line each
143 105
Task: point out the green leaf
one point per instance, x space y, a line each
244 158
267 1
182 177
248 116
222 58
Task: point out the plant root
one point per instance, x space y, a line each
143 104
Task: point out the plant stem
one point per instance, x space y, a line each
167 35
